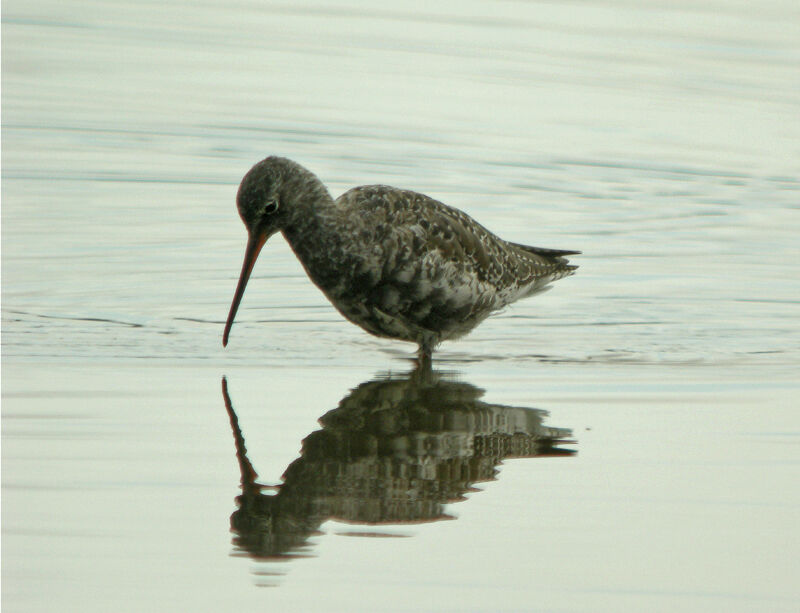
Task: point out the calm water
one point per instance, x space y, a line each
625 442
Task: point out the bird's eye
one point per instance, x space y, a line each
271 207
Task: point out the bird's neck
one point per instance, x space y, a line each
315 235
311 215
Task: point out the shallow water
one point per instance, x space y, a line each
660 139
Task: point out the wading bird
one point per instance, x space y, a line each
397 263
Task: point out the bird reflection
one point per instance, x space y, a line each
395 450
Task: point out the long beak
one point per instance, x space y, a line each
254 244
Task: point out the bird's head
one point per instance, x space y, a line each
271 196
260 198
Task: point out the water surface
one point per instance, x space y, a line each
624 442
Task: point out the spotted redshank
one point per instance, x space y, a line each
395 262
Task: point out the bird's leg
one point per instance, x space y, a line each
424 358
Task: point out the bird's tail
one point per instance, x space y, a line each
555 256
545 252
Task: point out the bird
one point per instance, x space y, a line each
397 263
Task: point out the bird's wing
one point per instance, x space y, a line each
410 229
458 238
434 264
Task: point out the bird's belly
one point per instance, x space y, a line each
373 317
412 299
425 313
386 325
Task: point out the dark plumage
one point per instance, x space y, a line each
397 263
